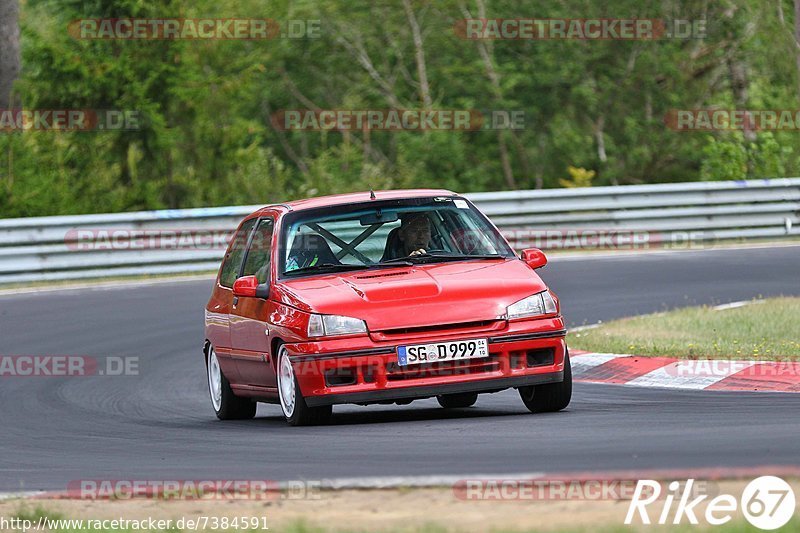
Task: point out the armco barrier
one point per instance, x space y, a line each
48 248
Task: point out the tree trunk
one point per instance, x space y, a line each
599 135
505 161
487 52
9 50
797 40
740 83
419 53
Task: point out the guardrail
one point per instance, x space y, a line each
50 248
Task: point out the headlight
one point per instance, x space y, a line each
541 303
325 325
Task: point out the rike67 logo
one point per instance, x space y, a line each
767 502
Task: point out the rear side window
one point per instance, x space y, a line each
258 255
233 259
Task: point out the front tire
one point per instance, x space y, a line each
226 404
294 407
551 397
454 401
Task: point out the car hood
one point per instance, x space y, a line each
422 295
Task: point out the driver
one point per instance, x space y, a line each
414 234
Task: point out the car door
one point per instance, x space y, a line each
219 308
249 316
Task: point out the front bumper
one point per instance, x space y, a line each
361 370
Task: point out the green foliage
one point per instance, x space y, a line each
732 158
578 177
206 136
724 159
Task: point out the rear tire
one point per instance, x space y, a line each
454 401
551 397
226 405
295 409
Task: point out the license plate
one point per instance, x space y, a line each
442 351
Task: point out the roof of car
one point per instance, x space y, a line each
359 197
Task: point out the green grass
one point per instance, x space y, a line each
24 512
767 329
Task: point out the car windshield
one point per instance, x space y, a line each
386 233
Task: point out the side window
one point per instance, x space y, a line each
258 255
233 259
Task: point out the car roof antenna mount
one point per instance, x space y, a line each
372 194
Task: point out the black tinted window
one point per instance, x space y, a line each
257 262
233 259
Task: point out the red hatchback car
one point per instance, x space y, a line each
380 297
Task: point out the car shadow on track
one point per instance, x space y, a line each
400 414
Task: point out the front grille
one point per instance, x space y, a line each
395 372
473 327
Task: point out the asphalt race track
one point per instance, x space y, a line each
159 424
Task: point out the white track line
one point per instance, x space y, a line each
20 495
391 482
735 305
587 361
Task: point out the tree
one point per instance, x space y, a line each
9 50
206 137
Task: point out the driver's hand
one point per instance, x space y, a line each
420 251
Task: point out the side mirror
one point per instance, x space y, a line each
245 286
534 257
248 287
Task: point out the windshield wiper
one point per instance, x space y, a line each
400 261
342 267
478 256
432 257
325 267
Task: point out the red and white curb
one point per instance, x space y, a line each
695 374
